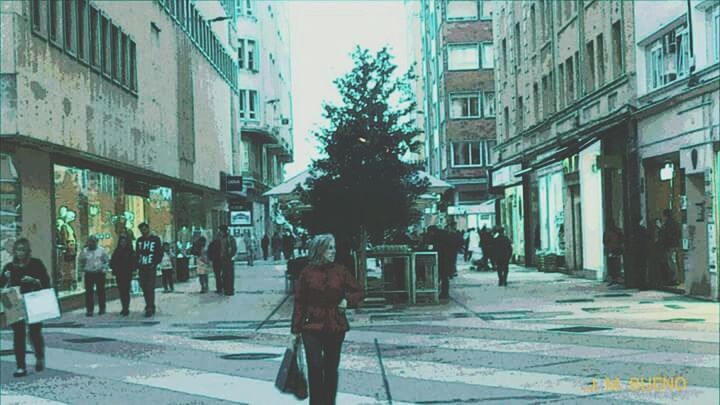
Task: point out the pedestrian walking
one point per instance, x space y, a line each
501 248
322 291
612 240
250 247
123 264
276 246
467 253
265 243
93 262
442 242
288 243
149 254
670 242
213 253
226 251
485 242
29 274
203 263
166 267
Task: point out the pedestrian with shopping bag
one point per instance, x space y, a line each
94 262
29 274
123 264
322 291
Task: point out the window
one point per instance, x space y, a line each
668 58
253 105
69 29
589 67
94 55
471 154
533 32
123 60
570 80
617 50
504 55
516 44
82 50
114 52
462 10
39 17
536 102
241 54
252 56
506 122
464 106
53 21
562 92
487 55
520 115
463 57
242 104
133 67
600 46
488 104
714 31
484 13
249 8
104 45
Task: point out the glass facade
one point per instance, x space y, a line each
10 207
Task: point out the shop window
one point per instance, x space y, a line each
10 207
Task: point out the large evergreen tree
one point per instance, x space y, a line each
362 188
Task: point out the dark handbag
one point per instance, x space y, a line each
290 378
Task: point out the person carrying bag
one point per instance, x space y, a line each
30 275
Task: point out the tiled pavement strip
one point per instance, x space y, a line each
487 345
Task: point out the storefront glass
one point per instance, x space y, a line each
552 217
10 207
592 212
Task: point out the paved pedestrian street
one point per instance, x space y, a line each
545 339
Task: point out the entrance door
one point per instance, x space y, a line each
576 229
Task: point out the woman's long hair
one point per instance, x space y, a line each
318 248
25 242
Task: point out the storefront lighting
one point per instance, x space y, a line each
666 173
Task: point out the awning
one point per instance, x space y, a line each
559 154
436 185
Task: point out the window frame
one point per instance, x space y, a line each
241 104
39 23
94 54
132 67
462 19
480 150
253 105
467 97
483 46
467 45
486 103
83 27
69 26
105 58
55 36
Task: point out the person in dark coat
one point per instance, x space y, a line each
288 243
265 245
322 292
29 274
485 245
214 256
501 248
123 264
444 243
149 252
276 245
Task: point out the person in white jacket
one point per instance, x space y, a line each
94 263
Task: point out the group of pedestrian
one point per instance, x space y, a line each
221 252
278 245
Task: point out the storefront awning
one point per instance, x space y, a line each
559 154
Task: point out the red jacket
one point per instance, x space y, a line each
318 291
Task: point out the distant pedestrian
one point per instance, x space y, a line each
166 267
93 262
265 244
250 247
322 292
612 240
288 243
501 248
226 251
149 251
467 253
123 264
442 242
485 242
203 263
213 253
670 242
29 274
276 245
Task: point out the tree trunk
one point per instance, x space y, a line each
362 257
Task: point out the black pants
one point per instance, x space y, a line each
502 271
217 269
322 351
147 284
613 263
444 285
203 282
228 277
265 252
94 281
123 284
36 339
167 280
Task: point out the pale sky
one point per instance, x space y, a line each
323 34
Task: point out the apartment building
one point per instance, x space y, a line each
566 142
677 51
114 113
459 106
265 107
415 57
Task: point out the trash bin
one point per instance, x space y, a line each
183 268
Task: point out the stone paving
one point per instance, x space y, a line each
547 338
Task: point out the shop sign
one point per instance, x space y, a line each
231 183
505 175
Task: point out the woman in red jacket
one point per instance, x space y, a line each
322 288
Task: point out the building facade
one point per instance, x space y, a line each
566 142
113 114
265 108
459 106
415 57
677 52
